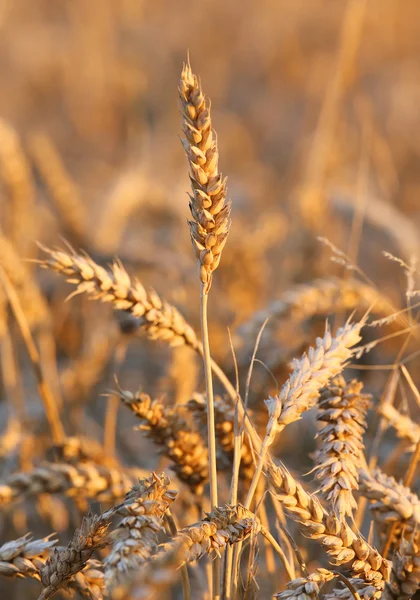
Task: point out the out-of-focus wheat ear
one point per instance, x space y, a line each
339 458
16 173
25 557
84 480
62 189
405 574
306 588
210 211
405 428
390 500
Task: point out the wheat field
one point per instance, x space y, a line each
209 300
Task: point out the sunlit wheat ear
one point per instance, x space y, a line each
210 211
173 436
405 428
390 501
342 407
160 320
314 369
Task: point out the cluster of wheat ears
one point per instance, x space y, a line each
133 546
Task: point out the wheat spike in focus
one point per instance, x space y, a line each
210 211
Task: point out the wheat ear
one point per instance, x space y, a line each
405 428
64 564
306 588
85 480
135 538
210 211
391 501
342 407
340 542
173 436
24 557
405 574
209 229
160 320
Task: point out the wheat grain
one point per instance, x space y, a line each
173 436
210 212
340 456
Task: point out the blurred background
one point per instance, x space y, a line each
316 107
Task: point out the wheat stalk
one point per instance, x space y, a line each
224 427
340 455
173 436
62 189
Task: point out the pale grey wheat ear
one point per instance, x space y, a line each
210 211
136 537
405 575
342 409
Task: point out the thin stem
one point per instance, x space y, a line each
186 588
211 429
406 483
44 389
